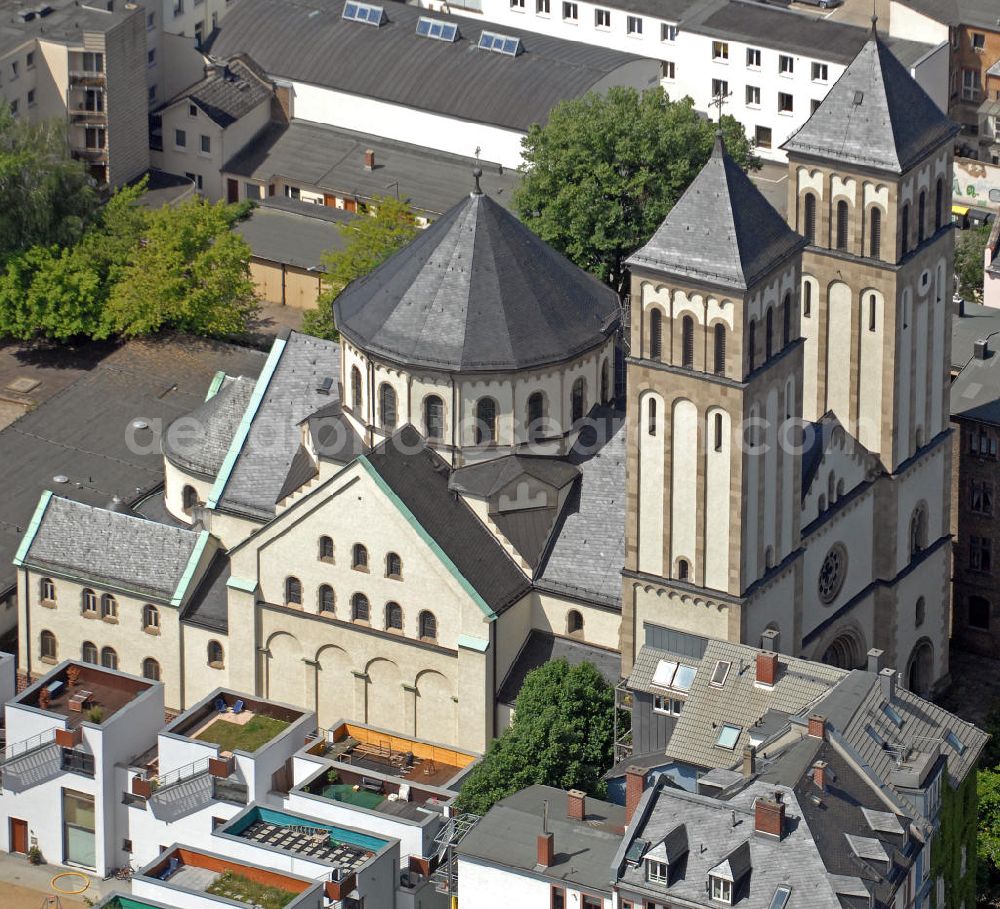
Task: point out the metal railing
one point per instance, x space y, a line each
177 776
26 746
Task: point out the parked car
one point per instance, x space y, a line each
823 4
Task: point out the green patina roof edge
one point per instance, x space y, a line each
240 438
217 381
33 525
241 584
473 643
427 538
189 569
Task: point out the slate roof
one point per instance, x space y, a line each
209 604
294 233
975 392
309 41
104 546
198 441
228 93
587 548
507 837
875 115
527 530
332 160
477 291
958 12
419 477
487 478
722 230
273 440
333 435
302 469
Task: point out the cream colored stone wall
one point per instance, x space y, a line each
174 481
693 612
650 503
601 624
200 677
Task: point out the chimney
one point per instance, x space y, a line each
770 640
769 816
546 850
749 761
369 159
817 726
767 668
577 805
875 660
819 775
635 785
888 679
981 349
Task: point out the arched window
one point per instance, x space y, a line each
831 488
536 413
768 334
434 417
875 233
486 421
655 334
786 321
359 556
326 549
938 204
979 612
47 590
393 617
356 387
718 432
578 400
683 569
190 499
605 382
47 646
387 406
687 342
574 622
393 565
809 221
842 212
293 591
216 655
89 601
326 599
769 557
428 626
88 652
918 530
921 215
151 669
651 424
720 349
919 612
872 312
840 487
751 345
109 607
905 230
109 658
150 616
807 299
360 610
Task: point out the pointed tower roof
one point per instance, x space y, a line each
876 115
722 230
477 291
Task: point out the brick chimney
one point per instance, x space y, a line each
819 774
369 159
817 726
546 850
635 785
749 761
769 816
767 668
576 808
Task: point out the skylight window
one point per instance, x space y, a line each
721 673
500 44
636 851
671 674
664 674
684 677
729 735
435 28
875 736
780 898
364 12
955 742
893 715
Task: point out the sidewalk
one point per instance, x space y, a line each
25 886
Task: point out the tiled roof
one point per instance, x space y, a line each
229 92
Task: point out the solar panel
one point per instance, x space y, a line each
363 12
435 28
500 44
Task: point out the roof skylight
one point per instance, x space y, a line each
721 673
955 742
893 715
500 44
671 674
435 28
684 677
364 12
729 735
780 898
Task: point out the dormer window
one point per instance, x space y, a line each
657 872
721 889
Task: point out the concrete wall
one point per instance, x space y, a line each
488 887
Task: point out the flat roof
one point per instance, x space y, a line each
294 233
95 687
200 721
65 22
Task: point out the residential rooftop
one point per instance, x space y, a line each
234 722
58 21
229 91
958 12
291 232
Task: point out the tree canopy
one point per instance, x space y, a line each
970 252
562 735
368 242
605 170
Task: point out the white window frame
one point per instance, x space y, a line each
786 65
570 11
720 51
669 70
753 96
633 26
722 890
601 12
668 32
753 58
820 72
657 872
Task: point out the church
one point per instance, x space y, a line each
395 528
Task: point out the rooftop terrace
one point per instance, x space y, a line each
80 691
234 722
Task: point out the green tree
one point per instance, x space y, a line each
970 252
561 735
368 242
988 883
604 171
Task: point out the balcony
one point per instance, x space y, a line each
85 116
87 77
91 155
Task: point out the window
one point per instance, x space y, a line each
89 601
326 598
971 85
875 233
668 70
360 609
150 616
786 103
722 890
326 549
842 218
393 617
31 97
809 217
687 342
753 96
720 50
668 32
151 669
486 421
786 321
216 655
393 566
807 294
981 443
109 607
814 106
605 382
206 145
656 871
356 387
979 612
905 230
720 349
753 57
517 4
14 70
762 136
982 497
570 12
872 312
918 530
189 499
919 612
47 590
751 345
557 898
921 215
109 658
574 622
728 736
94 137
978 43
293 591
633 25
651 422
536 409
293 192
29 60
253 191
980 553
47 646
683 569
938 204
79 825
88 652
359 557
717 445
655 334
543 7
668 706
602 18
579 400
151 57
151 21
387 406
720 88
786 64
428 626
820 73
768 334
720 673
180 138
590 902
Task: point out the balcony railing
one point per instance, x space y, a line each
26 746
92 155
87 77
83 115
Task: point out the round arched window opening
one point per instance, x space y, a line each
832 573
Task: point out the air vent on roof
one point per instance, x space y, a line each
364 12
324 385
500 44
859 97
435 28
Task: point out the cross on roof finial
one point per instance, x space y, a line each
477 172
719 149
874 20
